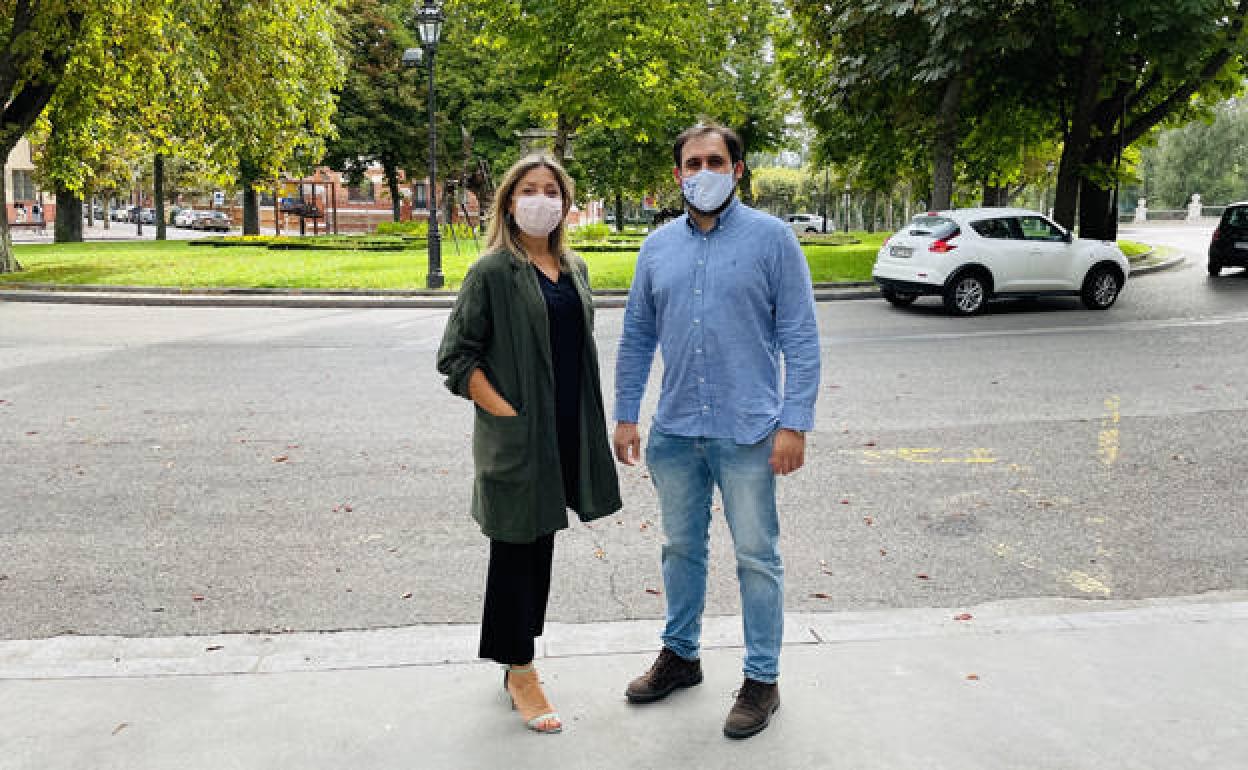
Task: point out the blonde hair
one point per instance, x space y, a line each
503 231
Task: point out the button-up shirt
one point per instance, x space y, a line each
722 306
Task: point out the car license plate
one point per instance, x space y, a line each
900 251
1242 245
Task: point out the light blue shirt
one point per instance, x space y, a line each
722 306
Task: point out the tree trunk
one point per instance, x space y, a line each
158 192
68 227
946 143
1078 134
1097 220
563 128
8 262
392 183
619 210
745 187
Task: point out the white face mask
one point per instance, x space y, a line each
538 215
707 190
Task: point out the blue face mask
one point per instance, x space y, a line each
707 190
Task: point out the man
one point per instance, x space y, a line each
722 291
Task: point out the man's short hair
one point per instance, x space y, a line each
735 149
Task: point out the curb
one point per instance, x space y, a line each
79 657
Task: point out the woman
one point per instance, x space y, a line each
520 345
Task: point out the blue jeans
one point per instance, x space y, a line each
684 471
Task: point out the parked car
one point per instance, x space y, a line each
184 217
806 223
147 216
211 220
970 256
119 214
1229 245
95 210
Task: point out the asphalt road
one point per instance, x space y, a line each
202 470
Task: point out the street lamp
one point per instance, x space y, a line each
429 18
845 208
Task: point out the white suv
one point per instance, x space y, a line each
806 223
969 256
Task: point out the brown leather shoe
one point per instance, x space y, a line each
669 672
756 702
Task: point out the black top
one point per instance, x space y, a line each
567 338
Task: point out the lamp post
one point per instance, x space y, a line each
429 19
845 207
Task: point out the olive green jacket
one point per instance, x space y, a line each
499 325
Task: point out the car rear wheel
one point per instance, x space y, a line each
899 298
966 295
1215 268
1100 288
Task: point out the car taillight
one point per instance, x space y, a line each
942 246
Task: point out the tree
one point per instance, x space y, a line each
270 89
380 107
1206 157
37 40
878 79
1122 69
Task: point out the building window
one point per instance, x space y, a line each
23 188
362 192
420 198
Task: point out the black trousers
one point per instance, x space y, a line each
516 589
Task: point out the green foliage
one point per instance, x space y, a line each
1210 158
781 191
596 231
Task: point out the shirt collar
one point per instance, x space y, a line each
724 218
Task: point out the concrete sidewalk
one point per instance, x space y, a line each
1020 684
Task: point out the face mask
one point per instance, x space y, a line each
538 215
707 190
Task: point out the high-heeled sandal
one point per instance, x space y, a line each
537 713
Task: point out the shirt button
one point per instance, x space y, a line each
697 291
697 320
698 351
706 408
699 261
701 379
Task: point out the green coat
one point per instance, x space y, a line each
500 325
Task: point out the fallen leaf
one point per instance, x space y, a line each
844 502
292 446
869 443
963 616
197 598
654 591
869 520
921 576
280 459
883 552
32 433
407 595
214 647
599 553
120 727
973 677
820 596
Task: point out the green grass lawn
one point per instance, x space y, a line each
179 264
